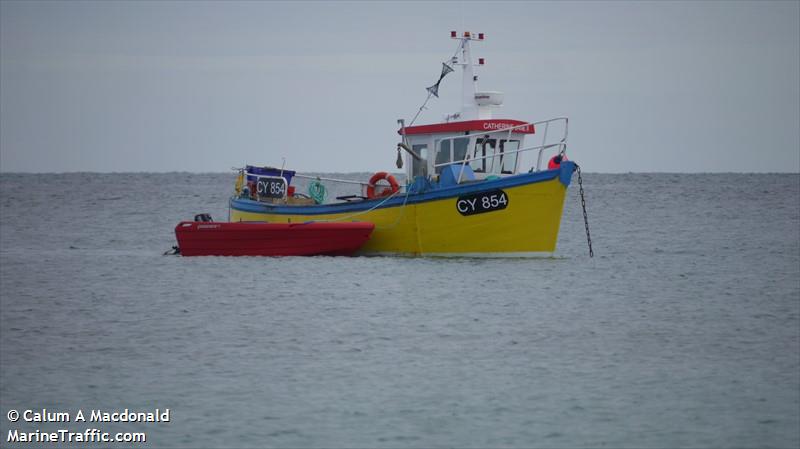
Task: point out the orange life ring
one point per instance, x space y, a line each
386 192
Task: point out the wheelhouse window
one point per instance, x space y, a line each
460 146
482 155
451 150
420 167
490 156
508 161
443 156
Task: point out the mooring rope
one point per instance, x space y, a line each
373 208
583 205
317 191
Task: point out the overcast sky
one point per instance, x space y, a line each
206 86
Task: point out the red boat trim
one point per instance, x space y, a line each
471 125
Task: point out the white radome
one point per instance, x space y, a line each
489 98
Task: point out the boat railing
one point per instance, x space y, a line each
243 171
322 178
359 194
541 145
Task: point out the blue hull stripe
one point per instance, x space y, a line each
564 174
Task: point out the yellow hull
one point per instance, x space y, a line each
529 224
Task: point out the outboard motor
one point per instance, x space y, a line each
203 217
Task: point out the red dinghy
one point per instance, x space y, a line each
209 238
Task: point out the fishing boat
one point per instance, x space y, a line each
474 185
210 238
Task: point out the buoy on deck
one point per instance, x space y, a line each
555 161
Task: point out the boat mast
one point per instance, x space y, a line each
469 82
